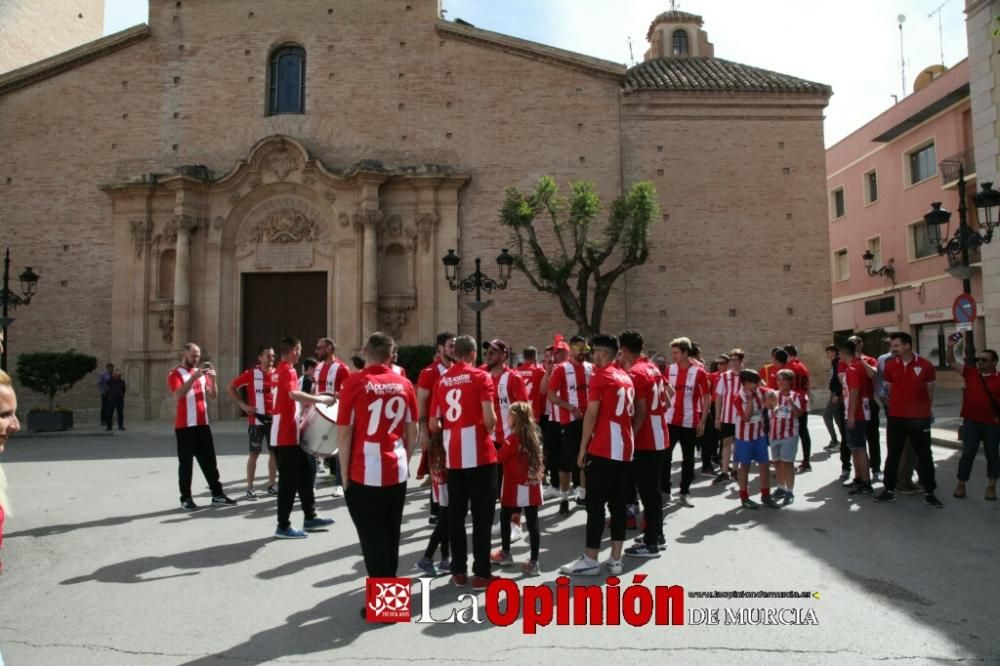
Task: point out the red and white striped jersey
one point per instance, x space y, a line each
727 388
613 437
749 429
689 384
570 381
287 412
191 407
429 376
260 390
784 424
439 491
801 382
532 374
457 401
517 489
330 375
378 403
508 388
652 387
855 377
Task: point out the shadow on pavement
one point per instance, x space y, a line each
194 561
331 624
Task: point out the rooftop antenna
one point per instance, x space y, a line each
631 54
940 27
902 58
673 5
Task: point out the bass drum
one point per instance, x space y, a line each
319 433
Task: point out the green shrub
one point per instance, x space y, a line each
51 373
415 358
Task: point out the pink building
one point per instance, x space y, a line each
881 180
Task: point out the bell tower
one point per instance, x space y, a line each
677 34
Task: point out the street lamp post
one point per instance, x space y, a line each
9 300
966 238
478 282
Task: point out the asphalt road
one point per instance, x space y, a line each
101 567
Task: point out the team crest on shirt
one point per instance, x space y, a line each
917 370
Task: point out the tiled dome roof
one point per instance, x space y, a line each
715 75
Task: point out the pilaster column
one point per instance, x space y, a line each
369 220
184 226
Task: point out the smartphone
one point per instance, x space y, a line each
206 366
955 337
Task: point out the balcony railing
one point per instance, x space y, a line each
950 165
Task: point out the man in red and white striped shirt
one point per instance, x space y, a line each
377 430
191 384
296 473
686 414
606 450
652 439
551 430
462 408
725 413
258 382
330 372
567 391
426 381
532 373
329 375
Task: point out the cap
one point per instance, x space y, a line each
559 344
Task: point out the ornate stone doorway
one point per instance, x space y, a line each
186 242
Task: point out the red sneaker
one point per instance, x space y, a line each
482 582
460 580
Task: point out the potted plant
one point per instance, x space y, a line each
51 373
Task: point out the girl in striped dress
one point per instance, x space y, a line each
435 459
523 472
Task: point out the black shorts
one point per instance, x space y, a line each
727 430
569 445
258 435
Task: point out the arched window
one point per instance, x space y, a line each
287 81
680 40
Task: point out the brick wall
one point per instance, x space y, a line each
34 29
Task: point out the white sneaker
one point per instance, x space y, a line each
515 532
338 491
551 492
582 567
614 566
685 501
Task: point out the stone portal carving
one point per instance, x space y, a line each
142 231
285 226
166 324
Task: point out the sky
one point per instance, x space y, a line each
851 45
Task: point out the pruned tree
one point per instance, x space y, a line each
571 265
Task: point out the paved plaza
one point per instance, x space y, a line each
101 567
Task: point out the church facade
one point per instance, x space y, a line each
237 171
